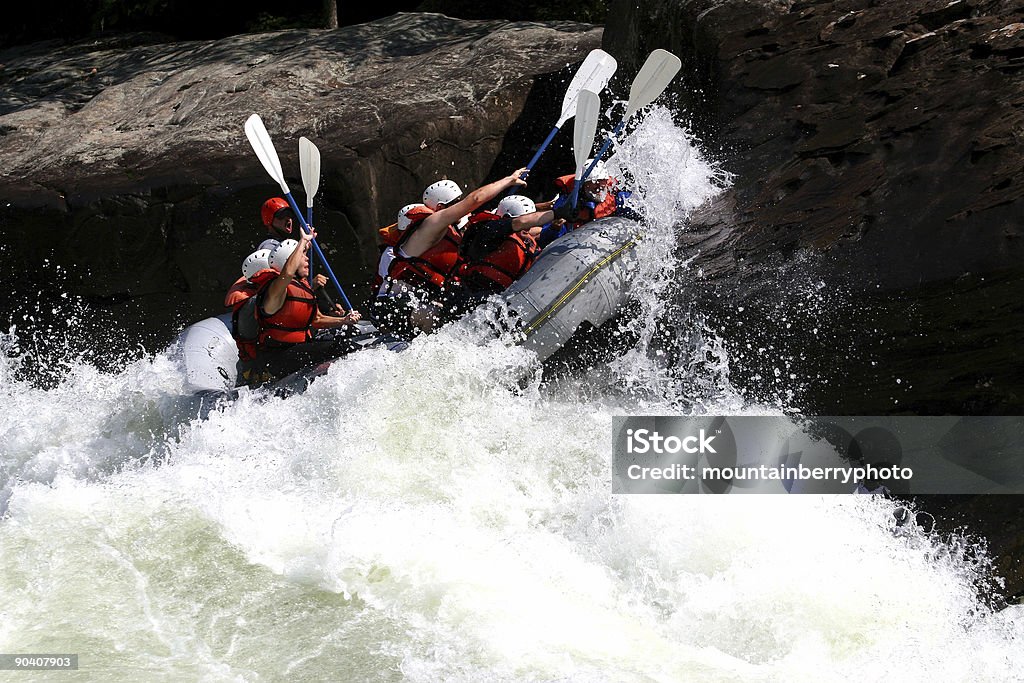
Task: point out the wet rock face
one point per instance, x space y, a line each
127 163
850 122
879 144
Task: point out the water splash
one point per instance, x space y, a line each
445 514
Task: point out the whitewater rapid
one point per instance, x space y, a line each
445 513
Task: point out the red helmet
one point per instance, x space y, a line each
270 207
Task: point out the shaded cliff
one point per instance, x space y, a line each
876 148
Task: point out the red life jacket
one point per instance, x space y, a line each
495 270
242 300
504 265
606 208
432 269
291 323
565 183
389 235
239 293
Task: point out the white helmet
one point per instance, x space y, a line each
279 256
441 192
269 244
600 171
255 262
515 205
411 213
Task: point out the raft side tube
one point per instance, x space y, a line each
583 276
210 355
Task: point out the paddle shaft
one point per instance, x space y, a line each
543 146
600 152
576 192
316 248
535 159
309 221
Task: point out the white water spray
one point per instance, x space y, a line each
445 514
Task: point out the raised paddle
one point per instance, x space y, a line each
588 109
261 143
654 76
593 74
309 166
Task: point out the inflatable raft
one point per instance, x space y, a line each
582 277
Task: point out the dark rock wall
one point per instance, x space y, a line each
878 144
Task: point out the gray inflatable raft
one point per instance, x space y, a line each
583 276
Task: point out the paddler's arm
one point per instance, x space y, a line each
328 321
273 298
433 228
532 220
330 314
324 302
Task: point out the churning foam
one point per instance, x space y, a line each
445 514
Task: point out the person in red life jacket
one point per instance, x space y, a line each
279 219
598 198
244 286
389 238
285 314
436 196
421 285
242 292
498 248
392 299
442 194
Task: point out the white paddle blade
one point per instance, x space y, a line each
588 109
655 75
309 165
594 73
261 143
